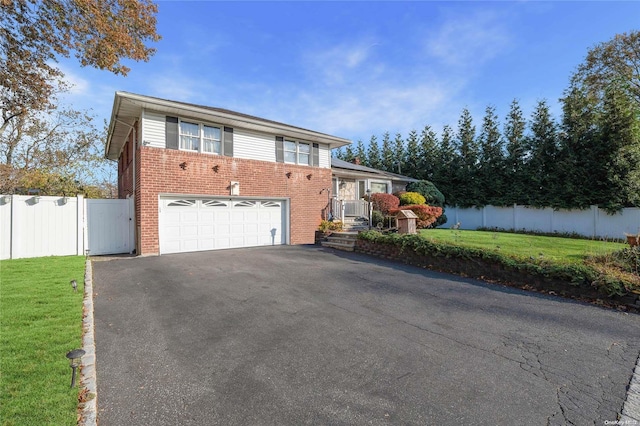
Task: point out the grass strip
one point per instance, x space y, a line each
40 321
564 261
524 246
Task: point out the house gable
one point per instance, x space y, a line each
228 163
253 138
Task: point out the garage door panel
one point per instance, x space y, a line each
223 230
189 224
189 216
189 230
207 244
206 231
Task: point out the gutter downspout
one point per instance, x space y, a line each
135 147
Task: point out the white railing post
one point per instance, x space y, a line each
342 208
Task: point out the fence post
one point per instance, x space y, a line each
81 232
515 216
484 216
15 219
596 217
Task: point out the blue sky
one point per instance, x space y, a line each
354 69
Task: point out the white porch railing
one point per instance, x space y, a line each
341 209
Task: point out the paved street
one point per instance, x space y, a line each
304 335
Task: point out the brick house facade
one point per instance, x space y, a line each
261 169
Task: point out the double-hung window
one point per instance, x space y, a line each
189 136
211 141
200 137
296 152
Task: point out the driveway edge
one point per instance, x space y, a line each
631 409
88 406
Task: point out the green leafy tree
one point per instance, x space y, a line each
515 180
35 33
619 144
466 176
58 154
348 154
616 60
543 147
431 162
429 191
42 141
387 153
412 156
361 153
408 198
491 164
433 197
398 154
373 154
447 163
599 126
579 153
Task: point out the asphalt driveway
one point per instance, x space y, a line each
304 335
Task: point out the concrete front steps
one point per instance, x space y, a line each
352 224
341 240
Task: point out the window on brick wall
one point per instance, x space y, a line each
297 152
200 137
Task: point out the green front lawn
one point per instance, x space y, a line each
40 321
534 261
553 249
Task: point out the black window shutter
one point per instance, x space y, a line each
171 133
279 149
227 149
315 155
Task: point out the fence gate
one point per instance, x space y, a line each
110 226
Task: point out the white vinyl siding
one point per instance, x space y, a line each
247 144
253 145
324 156
153 128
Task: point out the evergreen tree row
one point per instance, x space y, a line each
590 157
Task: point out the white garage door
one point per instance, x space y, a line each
195 224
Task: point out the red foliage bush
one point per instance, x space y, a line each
427 215
384 202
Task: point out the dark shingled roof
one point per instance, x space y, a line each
341 164
228 111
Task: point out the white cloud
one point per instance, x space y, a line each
468 41
359 88
337 64
77 84
356 89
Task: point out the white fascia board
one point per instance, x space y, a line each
112 123
364 175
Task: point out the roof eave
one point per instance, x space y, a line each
371 175
272 127
112 123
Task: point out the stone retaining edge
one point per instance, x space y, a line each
88 409
631 409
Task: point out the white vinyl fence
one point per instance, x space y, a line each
593 222
34 226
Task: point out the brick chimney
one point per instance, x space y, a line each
356 161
